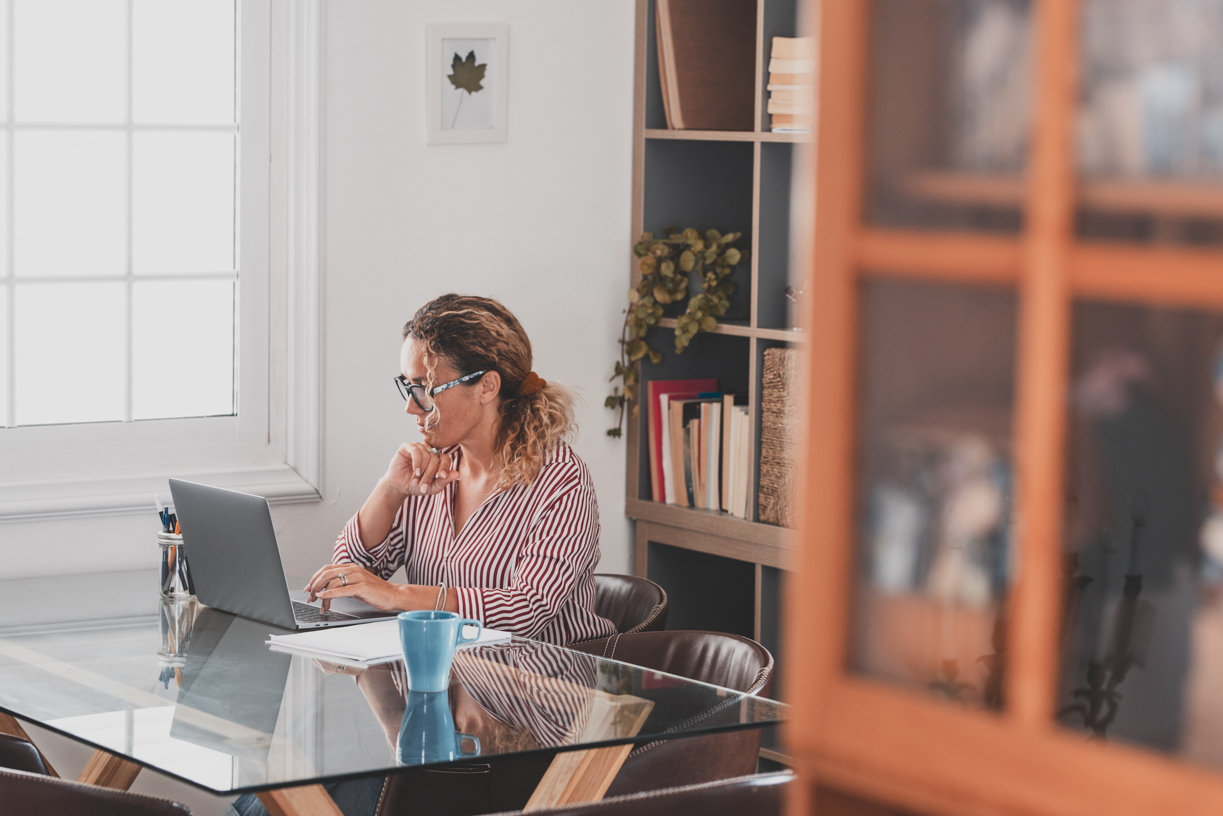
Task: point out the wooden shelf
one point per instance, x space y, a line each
736 538
737 330
1178 198
727 136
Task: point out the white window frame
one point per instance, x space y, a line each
273 446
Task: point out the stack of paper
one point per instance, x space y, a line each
792 84
362 645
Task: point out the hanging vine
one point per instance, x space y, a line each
667 264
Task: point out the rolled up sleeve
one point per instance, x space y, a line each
382 559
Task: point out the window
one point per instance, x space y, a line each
120 131
138 288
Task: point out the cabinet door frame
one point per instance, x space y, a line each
901 747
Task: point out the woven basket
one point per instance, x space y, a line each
780 419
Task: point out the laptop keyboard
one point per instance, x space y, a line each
305 613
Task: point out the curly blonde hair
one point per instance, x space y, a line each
477 334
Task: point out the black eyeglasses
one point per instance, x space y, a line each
423 397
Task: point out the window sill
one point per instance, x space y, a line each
279 484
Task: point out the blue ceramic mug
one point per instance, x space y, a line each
429 640
427 734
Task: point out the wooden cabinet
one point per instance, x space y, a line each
1008 295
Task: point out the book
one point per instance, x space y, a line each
707 63
692 444
796 66
805 108
787 96
685 460
732 458
658 395
676 475
713 457
745 460
793 48
793 80
729 402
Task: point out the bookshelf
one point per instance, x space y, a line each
721 573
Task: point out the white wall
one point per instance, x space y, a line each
540 222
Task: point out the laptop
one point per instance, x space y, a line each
236 567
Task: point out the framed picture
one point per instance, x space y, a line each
467 94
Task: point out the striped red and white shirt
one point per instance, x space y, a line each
523 563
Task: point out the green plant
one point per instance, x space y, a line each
666 265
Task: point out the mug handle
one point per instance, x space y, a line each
469 622
461 736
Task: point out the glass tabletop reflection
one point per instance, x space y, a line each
196 693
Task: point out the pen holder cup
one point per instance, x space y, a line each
175 575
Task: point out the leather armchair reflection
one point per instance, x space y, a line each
711 657
20 755
502 783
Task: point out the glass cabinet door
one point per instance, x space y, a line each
1142 657
948 113
935 556
1150 121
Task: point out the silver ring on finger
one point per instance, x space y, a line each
435 451
343 579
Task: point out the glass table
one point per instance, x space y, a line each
196 694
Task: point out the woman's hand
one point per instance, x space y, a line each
417 470
353 581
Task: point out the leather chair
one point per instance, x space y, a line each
711 657
762 795
633 604
28 794
20 755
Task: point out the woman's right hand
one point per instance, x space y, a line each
416 470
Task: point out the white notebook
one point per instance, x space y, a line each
364 645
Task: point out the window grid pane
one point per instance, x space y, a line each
150 163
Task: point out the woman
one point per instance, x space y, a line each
493 515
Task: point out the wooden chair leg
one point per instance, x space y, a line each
307 800
109 771
10 726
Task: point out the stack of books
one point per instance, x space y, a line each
792 84
700 445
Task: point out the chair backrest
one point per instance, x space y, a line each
20 755
760 795
26 794
711 657
633 604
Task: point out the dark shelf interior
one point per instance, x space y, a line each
773 275
705 592
705 185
